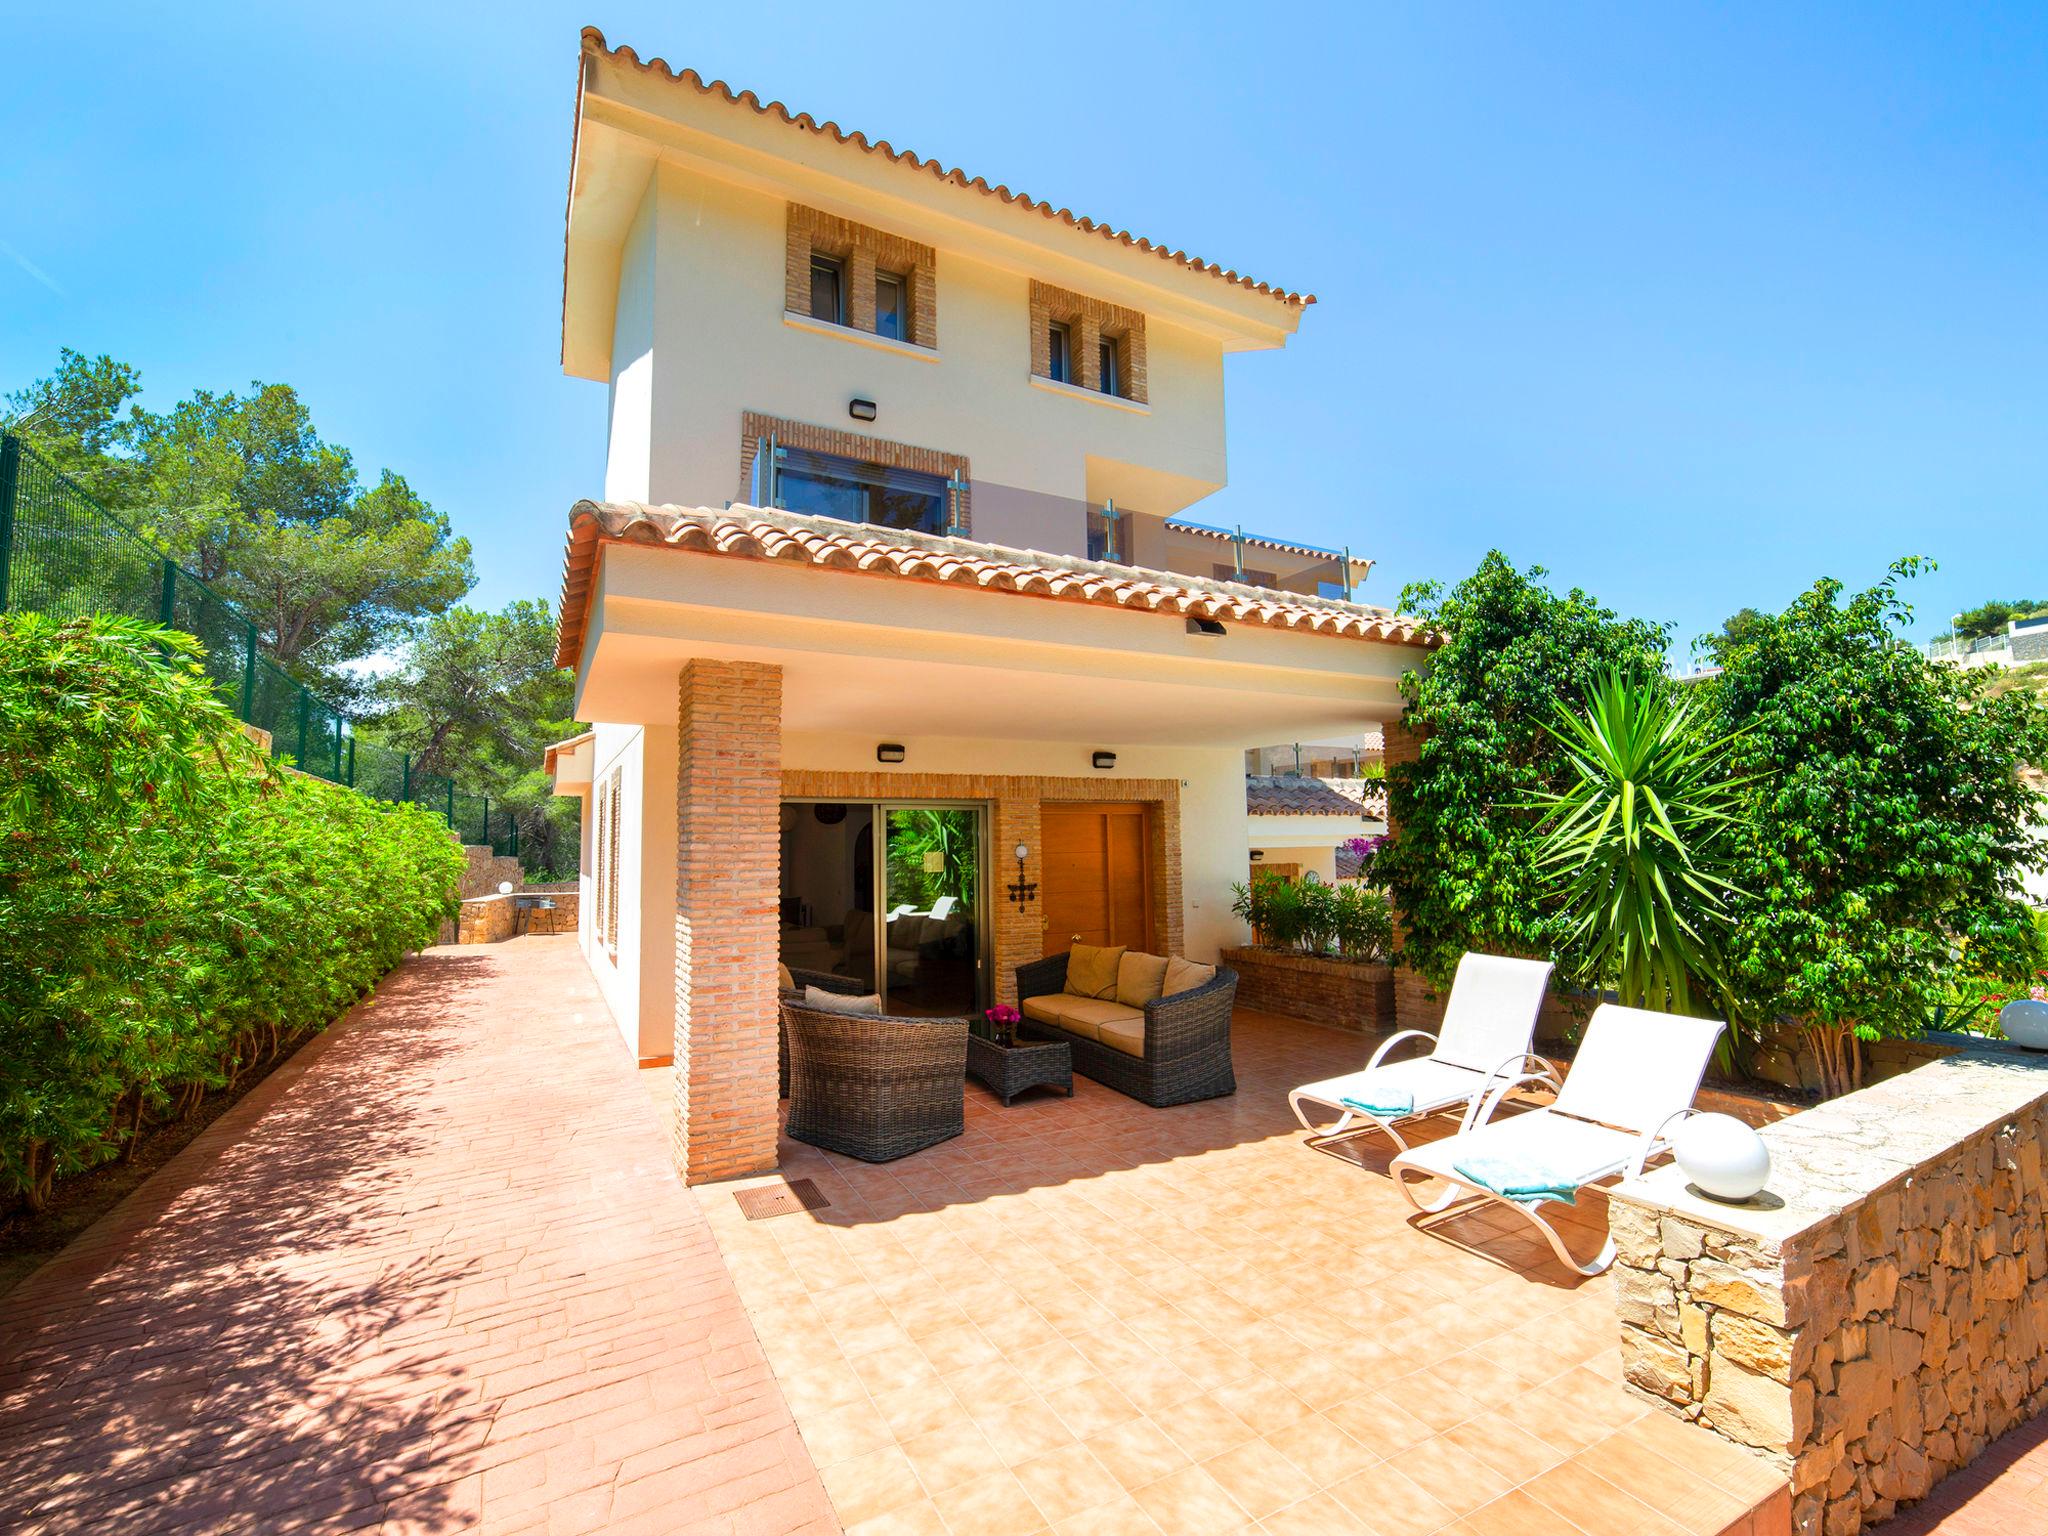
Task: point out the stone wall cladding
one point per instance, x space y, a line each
864 252
486 919
1014 802
1874 1336
1333 992
561 918
865 450
483 871
1087 321
728 861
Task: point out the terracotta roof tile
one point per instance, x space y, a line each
594 41
1295 795
755 533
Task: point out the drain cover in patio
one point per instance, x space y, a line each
780 1199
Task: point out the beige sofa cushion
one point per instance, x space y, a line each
1139 978
1126 1035
818 1000
1185 976
1084 1016
1091 970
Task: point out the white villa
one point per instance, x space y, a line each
904 663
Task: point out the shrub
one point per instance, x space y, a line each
1886 829
176 909
1464 869
1354 921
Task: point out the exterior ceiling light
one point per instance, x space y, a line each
861 410
1104 759
889 752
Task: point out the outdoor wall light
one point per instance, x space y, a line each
1207 628
1104 759
889 752
1258 854
861 410
1023 890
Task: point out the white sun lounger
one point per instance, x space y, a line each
1488 1025
1634 1077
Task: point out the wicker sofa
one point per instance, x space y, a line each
1185 1046
873 1086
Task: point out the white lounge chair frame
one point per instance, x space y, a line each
1635 1077
1485 1038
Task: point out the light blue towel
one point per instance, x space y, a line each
1388 1104
1524 1183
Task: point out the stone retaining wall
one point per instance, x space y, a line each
486 920
1880 1314
1341 993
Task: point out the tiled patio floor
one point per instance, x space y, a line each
434 1274
1091 1316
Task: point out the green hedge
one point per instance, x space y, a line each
174 909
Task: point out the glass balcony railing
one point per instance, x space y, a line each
823 485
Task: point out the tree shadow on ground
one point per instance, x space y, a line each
241 1345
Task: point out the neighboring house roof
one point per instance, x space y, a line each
1350 862
594 41
756 533
556 749
1296 795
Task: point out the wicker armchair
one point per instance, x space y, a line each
824 981
872 1086
1187 1039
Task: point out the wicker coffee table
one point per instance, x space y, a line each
1007 1070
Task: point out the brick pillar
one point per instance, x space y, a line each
1416 1003
728 794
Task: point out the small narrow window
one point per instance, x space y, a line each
892 308
828 290
1058 364
1106 354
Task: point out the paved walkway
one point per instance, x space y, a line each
434 1274
2003 1493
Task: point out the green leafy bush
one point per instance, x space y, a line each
1887 827
1465 869
1354 921
176 910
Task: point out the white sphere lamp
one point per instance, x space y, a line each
2024 1021
1724 1158
504 887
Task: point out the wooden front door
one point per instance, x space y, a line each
1098 875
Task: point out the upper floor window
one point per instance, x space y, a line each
1087 342
892 306
1248 576
865 279
828 289
830 485
1059 351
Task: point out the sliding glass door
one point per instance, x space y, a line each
890 896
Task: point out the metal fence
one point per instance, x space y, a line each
64 554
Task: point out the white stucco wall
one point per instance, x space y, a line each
639 986
721 346
630 420
1318 857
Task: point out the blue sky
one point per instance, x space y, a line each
1691 306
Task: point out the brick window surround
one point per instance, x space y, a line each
863 450
1088 321
863 252
1015 803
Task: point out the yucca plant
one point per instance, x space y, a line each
1637 850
